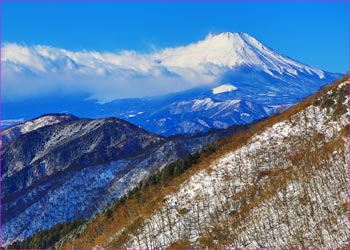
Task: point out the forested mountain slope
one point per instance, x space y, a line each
62 168
282 184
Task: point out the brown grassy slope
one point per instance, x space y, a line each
129 216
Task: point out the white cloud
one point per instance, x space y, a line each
33 71
30 71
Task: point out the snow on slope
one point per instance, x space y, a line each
232 50
200 115
166 71
9 134
225 49
80 176
245 199
224 88
200 71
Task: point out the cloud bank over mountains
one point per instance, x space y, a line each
31 71
35 71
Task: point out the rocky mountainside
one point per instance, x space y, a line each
231 78
282 184
11 133
58 168
45 151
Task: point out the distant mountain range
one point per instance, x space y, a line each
252 82
78 156
55 166
281 184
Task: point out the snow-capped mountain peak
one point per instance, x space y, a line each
168 70
225 49
232 50
196 77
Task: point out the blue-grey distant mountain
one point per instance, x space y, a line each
58 168
253 82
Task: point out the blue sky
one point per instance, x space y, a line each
113 50
310 32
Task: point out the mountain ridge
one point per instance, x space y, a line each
294 165
260 75
237 49
79 161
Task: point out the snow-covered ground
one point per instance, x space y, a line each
287 187
66 192
9 134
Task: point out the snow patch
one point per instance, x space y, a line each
224 88
206 103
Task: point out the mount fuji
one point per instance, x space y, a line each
235 79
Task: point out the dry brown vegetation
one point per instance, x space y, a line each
127 218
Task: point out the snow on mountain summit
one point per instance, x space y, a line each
215 53
196 77
232 50
165 71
